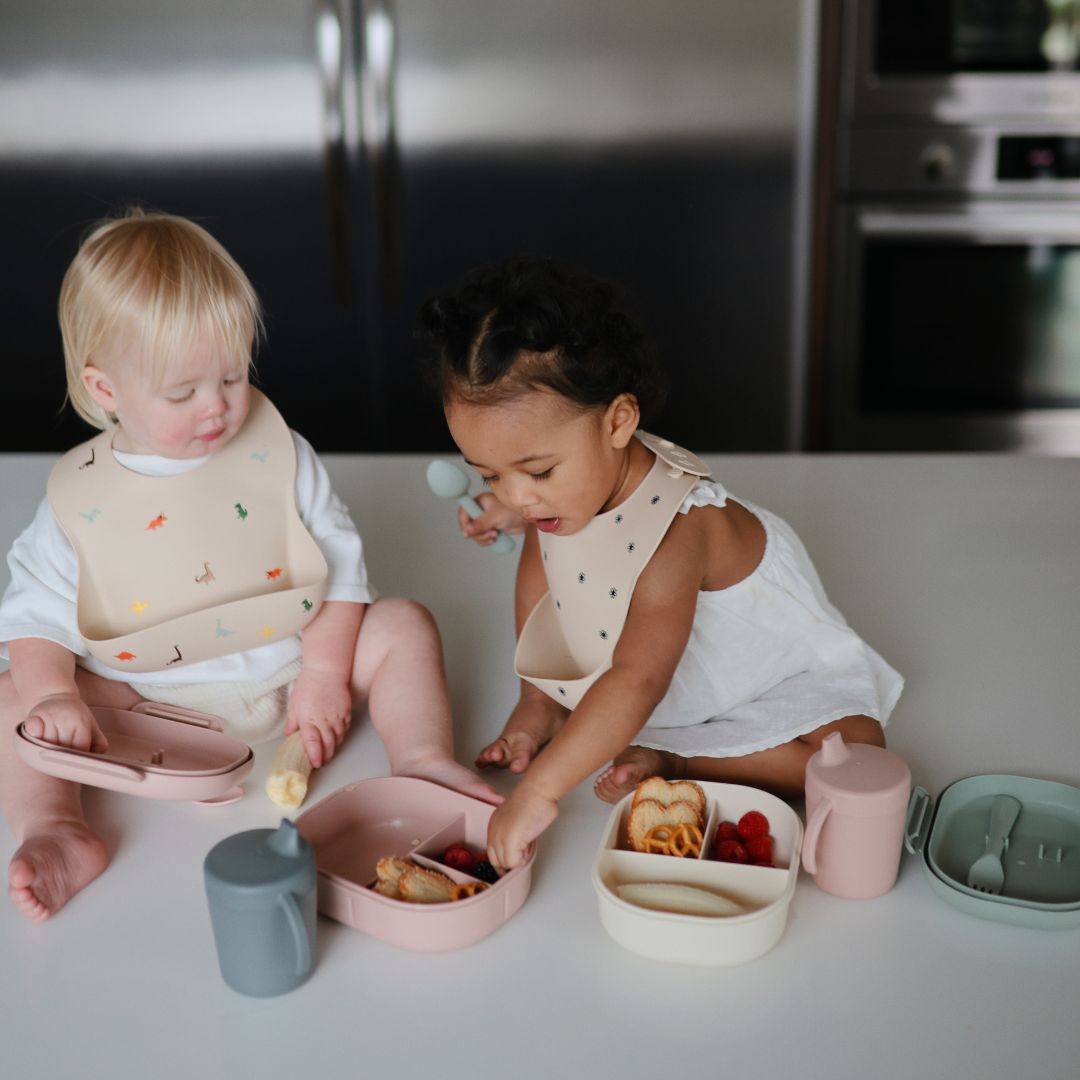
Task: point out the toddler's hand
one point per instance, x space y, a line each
496 518
515 825
65 719
320 706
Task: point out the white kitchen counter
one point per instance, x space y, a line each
963 571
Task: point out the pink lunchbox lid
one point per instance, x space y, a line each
155 750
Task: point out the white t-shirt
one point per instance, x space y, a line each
40 600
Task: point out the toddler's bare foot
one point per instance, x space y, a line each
522 739
448 773
52 866
634 764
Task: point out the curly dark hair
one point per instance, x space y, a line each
530 323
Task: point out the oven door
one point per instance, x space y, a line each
959 61
957 328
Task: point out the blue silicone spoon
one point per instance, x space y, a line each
448 481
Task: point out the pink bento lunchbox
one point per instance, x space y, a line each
357 825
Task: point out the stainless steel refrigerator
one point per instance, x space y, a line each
358 155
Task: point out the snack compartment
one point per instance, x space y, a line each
740 800
351 832
751 887
471 834
621 842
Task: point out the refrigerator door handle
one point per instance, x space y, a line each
378 75
330 55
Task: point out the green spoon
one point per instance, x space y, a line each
448 481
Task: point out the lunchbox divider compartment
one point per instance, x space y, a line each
738 803
459 877
621 839
755 887
435 843
712 819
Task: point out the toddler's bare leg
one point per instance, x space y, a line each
780 769
399 671
57 855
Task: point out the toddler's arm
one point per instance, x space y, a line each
44 676
320 705
619 703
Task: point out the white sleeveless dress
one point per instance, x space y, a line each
768 659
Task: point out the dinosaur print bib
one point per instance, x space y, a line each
179 569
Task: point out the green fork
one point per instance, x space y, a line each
987 874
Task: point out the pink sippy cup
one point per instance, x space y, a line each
856 805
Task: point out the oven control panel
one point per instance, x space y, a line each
980 161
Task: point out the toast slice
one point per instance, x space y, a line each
648 813
389 871
401 879
667 792
422 886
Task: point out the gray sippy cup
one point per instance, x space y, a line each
262 893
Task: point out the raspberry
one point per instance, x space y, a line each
753 823
727 830
459 857
759 848
731 851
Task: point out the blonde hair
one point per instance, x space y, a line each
163 281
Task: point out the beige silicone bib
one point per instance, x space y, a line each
569 639
178 569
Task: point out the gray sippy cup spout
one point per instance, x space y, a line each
286 841
450 482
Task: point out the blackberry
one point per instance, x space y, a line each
484 871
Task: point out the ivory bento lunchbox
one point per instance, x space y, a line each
1039 883
763 893
361 823
155 750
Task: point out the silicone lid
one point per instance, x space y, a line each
155 750
252 869
1041 859
859 779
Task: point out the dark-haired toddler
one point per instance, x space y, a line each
663 625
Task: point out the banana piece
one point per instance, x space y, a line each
680 899
287 781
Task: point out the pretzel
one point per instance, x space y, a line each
685 840
463 892
658 840
678 840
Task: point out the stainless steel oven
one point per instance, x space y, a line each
960 328
961 60
954 270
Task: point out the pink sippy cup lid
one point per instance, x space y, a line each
857 778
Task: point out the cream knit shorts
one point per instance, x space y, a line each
251 711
